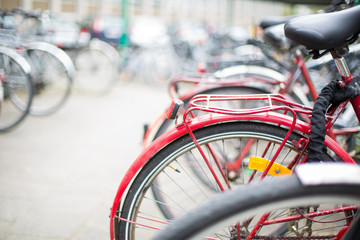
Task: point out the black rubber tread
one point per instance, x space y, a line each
246 198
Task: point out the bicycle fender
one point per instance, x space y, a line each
173 134
203 121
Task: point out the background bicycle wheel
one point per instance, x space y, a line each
16 89
68 165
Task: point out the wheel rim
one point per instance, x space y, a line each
162 176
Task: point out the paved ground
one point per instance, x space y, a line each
59 174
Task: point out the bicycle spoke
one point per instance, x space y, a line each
193 180
181 189
170 198
195 159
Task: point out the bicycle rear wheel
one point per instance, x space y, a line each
307 210
16 89
183 181
52 73
96 68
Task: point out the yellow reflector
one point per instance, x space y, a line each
260 164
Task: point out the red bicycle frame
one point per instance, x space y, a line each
191 124
272 82
267 114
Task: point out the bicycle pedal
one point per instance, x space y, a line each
174 108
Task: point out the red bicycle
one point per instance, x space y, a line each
189 164
295 84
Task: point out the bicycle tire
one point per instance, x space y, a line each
244 202
249 70
16 89
160 66
226 134
96 68
52 73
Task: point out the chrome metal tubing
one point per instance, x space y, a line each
342 67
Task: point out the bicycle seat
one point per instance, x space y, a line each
324 31
274 20
275 36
